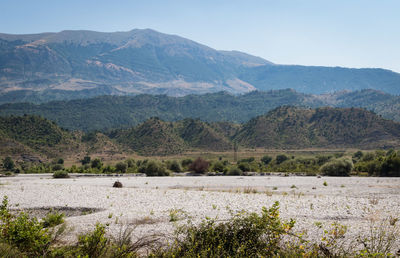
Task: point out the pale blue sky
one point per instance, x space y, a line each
351 33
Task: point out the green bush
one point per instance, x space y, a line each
61 174
96 163
218 166
153 168
57 167
390 166
338 167
8 163
53 219
26 234
358 155
281 158
175 166
93 244
245 235
121 167
266 159
234 171
244 166
85 160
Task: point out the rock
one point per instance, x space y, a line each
117 184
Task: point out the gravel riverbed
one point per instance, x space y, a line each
149 203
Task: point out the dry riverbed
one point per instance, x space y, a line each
156 204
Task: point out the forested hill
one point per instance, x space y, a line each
291 127
281 128
109 112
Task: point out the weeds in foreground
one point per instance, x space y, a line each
243 235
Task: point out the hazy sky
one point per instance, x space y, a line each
351 33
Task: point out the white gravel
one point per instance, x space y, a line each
350 201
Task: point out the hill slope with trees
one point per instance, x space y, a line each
110 112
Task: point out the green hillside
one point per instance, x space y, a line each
153 137
282 128
111 112
290 127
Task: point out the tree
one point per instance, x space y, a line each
199 165
96 163
175 166
358 155
218 167
153 168
281 158
338 167
8 163
85 160
120 167
266 159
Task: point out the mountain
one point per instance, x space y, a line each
81 64
319 80
109 112
137 61
291 127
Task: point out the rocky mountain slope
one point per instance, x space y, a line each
81 64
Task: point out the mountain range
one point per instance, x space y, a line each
81 64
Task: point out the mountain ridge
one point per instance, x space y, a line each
108 112
52 65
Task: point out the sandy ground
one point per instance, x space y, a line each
150 202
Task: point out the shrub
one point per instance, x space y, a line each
27 234
130 163
250 159
60 174
85 160
234 171
57 167
281 158
120 167
338 167
322 159
266 159
153 168
244 166
358 155
96 163
390 166
93 244
245 235
199 165
186 163
175 166
53 219
218 167
8 163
